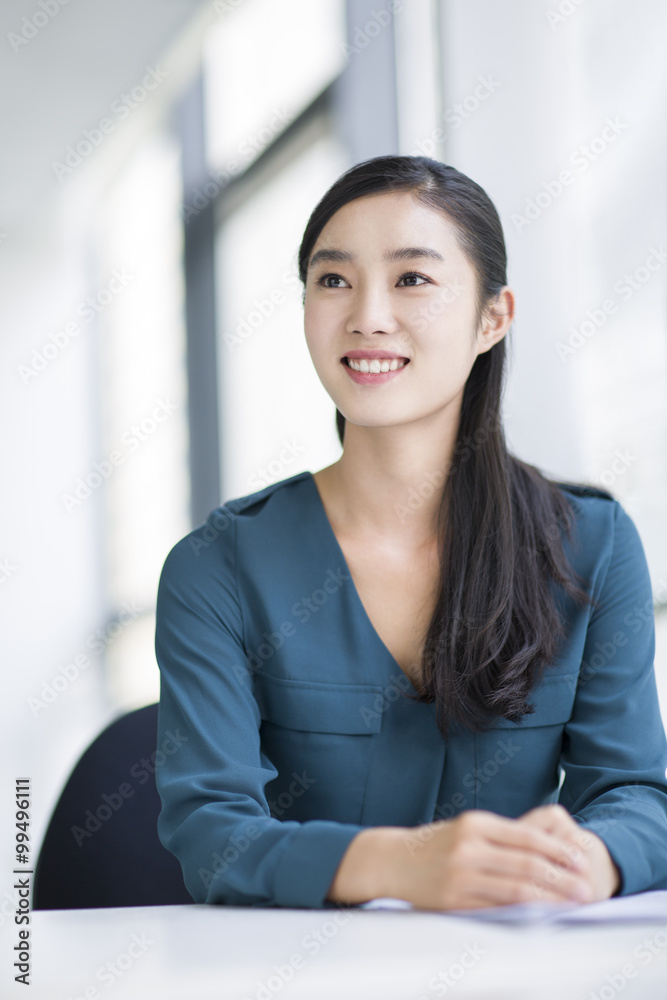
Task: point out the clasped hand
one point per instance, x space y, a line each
481 859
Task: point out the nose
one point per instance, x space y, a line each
370 311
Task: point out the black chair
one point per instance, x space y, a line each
101 847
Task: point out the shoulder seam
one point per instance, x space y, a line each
236 586
609 561
585 490
237 504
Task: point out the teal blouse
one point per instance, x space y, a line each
295 732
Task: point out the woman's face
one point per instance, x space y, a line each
386 278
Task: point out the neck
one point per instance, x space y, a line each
388 481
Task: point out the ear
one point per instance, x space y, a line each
496 320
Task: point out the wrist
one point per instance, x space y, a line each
616 878
607 874
368 868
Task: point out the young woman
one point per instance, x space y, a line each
425 671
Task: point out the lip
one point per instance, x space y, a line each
373 378
374 353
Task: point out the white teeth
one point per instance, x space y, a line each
375 365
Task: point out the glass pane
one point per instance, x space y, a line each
418 87
277 419
263 64
144 462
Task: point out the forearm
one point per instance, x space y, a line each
606 870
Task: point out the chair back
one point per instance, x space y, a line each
101 847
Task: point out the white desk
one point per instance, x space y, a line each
217 952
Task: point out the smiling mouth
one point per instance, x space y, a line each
375 366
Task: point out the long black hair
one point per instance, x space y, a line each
496 623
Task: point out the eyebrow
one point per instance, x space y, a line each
402 253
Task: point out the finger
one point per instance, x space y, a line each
554 819
531 837
483 890
527 866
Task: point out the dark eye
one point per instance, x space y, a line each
412 284
324 280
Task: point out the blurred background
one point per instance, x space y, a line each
160 159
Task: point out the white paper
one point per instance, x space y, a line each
647 906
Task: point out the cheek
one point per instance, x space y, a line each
447 345
449 333
312 325
318 333
317 314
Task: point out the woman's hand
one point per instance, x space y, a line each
480 859
601 873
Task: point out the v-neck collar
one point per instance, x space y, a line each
324 517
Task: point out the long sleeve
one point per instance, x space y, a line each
614 748
215 816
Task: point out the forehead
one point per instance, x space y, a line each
390 219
